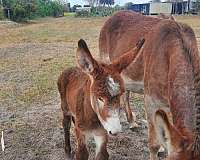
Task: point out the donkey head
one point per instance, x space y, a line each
179 147
106 84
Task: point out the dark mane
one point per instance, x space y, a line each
191 54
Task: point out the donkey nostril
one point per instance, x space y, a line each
110 132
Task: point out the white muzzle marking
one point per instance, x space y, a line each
112 124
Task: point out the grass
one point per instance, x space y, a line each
66 29
66 14
26 77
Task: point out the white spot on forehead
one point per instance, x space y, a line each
113 87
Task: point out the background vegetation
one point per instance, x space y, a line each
1 13
22 10
198 6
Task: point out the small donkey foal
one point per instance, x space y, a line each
90 96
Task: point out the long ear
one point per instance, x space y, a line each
167 134
84 58
123 61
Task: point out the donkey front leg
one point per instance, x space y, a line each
101 140
66 127
154 146
81 152
131 117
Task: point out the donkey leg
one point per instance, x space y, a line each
131 117
154 146
81 152
101 140
66 127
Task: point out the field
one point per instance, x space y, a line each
31 58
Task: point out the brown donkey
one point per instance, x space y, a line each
172 91
169 67
116 37
90 96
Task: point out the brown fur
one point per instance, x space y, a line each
81 90
170 67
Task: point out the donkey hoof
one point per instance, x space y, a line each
68 158
133 125
161 152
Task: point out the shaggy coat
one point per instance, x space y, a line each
90 96
169 67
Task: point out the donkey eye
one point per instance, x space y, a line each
101 99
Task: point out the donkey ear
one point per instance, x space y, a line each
167 133
84 58
123 61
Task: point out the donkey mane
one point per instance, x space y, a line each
191 54
187 40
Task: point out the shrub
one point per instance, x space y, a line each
198 6
82 13
102 11
19 13
57 9
1 13
22 10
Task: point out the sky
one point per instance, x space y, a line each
120 2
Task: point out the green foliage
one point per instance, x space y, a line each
19 13
22 10
1 13
49 8
83 13
198 6
101 11
107 2
104 11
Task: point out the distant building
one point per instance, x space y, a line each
154 8
141 8
84 8
183 7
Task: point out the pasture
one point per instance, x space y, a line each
31 58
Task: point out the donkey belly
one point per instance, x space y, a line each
134 86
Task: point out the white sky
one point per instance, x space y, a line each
120 2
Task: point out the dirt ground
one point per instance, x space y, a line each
31 58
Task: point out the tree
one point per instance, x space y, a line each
128 5
22 10
107 2
91 2
198 6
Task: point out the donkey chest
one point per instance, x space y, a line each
81 109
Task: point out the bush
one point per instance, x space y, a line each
57 9
22 10
82 13
103 11
1 13
19 13
50 8
198 6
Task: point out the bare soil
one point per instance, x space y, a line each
31 58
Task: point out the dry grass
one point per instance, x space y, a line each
27 77
67 29
31 58
41 76
32 55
